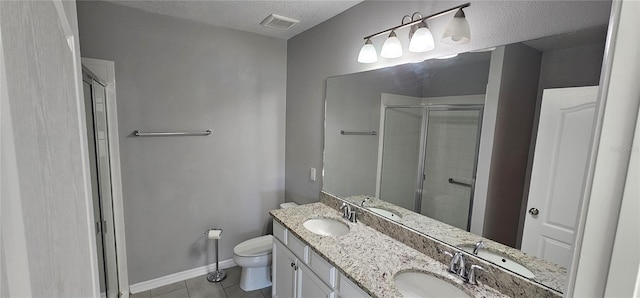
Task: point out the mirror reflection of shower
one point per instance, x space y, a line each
429 153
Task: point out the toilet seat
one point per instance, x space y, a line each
254 247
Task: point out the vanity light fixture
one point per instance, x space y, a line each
421 38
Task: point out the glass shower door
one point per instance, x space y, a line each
400 157
450 159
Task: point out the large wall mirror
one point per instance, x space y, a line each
492 142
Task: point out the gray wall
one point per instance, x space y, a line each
465 79
331 49
517 95
173 75
571 67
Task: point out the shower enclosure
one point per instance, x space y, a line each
429 159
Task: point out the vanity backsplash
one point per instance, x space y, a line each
498 278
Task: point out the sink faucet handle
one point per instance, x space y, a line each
472 274
444 252
352 216
452 260
479 245
364 201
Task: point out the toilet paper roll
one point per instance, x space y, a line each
214 234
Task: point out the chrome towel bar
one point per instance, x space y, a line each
369 133
138 133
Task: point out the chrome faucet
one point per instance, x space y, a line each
479 245
458 267
347 213
364 201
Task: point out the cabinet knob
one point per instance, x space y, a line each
534 211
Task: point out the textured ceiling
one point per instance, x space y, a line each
246 15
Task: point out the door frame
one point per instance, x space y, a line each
616 114
104 70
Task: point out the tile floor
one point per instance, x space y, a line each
199 287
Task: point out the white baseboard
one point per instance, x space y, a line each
179 276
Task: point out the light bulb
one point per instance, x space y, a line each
422 40
458 31
368 53
391 47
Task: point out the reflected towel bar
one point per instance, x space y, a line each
138 133
368 133
459 183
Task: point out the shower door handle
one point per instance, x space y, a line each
452 181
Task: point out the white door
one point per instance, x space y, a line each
559 167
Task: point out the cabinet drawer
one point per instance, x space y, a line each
322 268
279 232
298 248
350 290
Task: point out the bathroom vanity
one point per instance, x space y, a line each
299 271
361 263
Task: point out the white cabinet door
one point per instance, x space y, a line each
311 286
284 275
559 166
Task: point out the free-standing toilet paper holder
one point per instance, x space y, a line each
218 275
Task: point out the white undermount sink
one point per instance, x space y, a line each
326 227
423 285
501 261
386 213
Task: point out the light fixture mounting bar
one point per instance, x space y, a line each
419 20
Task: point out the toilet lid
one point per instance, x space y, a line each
254 247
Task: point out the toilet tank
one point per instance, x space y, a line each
288 205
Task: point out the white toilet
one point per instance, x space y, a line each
254 256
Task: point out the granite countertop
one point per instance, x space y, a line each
546 273
366 256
